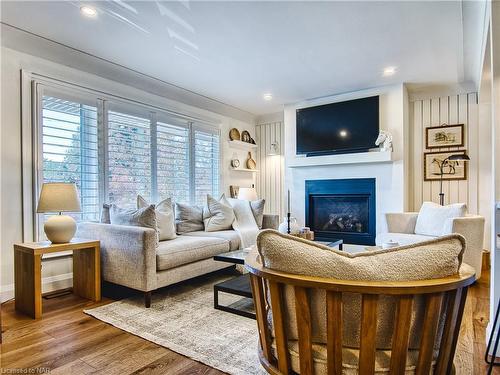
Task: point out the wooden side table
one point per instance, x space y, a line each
28 272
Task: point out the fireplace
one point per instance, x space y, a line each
342 209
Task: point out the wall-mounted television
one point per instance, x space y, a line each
343 127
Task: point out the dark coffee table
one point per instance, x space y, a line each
333 243
239 285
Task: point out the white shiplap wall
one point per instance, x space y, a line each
270 178
454 109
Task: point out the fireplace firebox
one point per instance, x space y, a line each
342 209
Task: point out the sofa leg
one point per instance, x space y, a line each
147 299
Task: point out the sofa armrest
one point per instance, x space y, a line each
270 221
128 253
472 228
402 222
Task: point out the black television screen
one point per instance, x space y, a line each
338 127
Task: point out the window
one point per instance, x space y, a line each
115 149
69 149
206 164
173 177
129 158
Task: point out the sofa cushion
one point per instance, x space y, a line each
432 217
187 249
229 235
141 217
401 238
188 218
437 258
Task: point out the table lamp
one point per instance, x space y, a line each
59 197
247 194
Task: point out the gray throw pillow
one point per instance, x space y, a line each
188 218
142 217
164 217
218 214
105 214
258 211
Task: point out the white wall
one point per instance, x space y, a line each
460 108
391 186
57 272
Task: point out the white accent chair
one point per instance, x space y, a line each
401 229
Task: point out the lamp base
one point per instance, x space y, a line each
60 228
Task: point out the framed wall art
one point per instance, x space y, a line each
444 136
452 170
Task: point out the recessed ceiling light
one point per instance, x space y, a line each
88 11
343 133
389 71
267 96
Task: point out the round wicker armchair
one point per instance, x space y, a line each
441 302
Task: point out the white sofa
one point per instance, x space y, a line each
401 229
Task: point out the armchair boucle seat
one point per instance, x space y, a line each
371 312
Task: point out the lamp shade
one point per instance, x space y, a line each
59 197
248 194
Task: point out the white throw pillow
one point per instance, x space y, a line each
165 221
432 217
218 214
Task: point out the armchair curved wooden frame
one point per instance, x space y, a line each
444 295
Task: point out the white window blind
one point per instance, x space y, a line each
206 163
172 144
129 158
69 149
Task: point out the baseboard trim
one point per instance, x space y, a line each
49 284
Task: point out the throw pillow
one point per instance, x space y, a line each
142 217
218 214
432 217
105 214
188 218
258 211
164 217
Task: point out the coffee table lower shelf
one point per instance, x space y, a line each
239 286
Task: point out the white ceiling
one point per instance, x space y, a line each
235 52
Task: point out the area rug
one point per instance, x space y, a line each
184 320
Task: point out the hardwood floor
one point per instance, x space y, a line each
67 341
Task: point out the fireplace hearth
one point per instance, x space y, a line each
342 209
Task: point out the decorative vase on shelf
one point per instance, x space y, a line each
294 226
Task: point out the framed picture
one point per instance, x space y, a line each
444 136
452 170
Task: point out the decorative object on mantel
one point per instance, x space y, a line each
59 197
245 136
251 164
234 134
384 141
252 141
444 136
449 166
235 163
233 191
438 166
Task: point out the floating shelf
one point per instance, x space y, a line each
242 145
356 158
244 170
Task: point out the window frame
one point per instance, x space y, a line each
37 86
